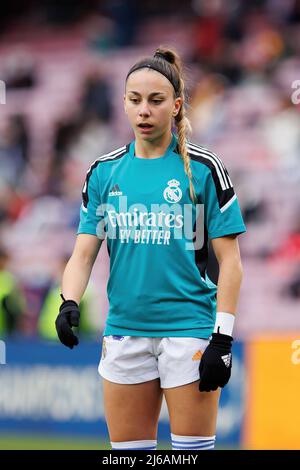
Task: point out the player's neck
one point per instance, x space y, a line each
153 149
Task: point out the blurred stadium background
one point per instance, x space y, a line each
63 65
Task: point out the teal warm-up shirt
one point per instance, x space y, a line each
158 285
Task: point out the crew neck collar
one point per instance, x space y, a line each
169 149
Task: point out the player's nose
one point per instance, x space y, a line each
144 109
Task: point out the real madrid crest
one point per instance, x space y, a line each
173 193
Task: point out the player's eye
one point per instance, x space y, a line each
157 101
134 100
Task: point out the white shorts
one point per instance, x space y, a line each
135 359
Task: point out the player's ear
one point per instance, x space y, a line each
177 106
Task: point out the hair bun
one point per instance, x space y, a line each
165 55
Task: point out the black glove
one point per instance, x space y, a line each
68 316
215 364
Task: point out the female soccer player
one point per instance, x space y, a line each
159 201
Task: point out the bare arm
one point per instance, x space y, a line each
78 269
230 275
215 364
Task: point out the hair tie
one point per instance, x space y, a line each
159 55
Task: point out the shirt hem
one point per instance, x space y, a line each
203 333
230 231
87 231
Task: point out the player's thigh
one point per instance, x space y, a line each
132 410
192 413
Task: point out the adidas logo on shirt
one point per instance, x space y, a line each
227 359
115 191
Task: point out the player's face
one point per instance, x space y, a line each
150 104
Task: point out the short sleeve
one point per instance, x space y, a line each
221 208
91 214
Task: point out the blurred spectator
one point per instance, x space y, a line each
208 30
254 209
12 302
125 15
294 14
206 107
292 288
97 97
19 71
78 142
289 248
65 132
282 133
262 43
12 202
52 302
13 148
229 64
92 142
20 125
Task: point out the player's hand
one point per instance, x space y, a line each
216 362
68 316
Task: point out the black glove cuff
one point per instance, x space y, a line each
220 339
68 306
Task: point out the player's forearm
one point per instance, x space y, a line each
76 277
229 284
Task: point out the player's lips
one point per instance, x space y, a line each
145 127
